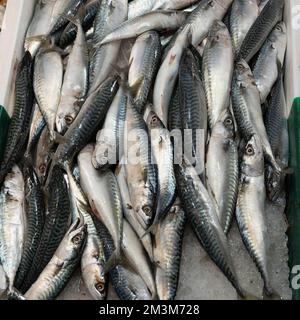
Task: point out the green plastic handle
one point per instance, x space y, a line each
4 123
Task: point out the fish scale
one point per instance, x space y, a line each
174 119
20 120
35 210
263 25
56 224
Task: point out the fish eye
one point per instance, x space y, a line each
100 287
147 210
42 168
154 120
240 66
77 239
278 27
228 121
249 151
69 120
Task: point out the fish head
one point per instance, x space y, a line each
73 241
153 121
96 281
63 121
218 32
253 159
243 73
225 127
144 213
278 40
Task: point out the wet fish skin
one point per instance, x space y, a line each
127 284
167 251
129 213
157 20
270 58
250 211
38 123
35 211
140 7
202 214
144 62
222 169
111 13
261 28
243 15
102 191
109 140
277 131
48 77
143 183
70 31
174 119
93 258
162 150
167 75
20 121
75 83
217 71
12 224
193 111
60 268
56 224
202 18
43 155
247 109
89 119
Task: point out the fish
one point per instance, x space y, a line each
242 16
167 251
160 20
58 216
93 258
70 31
89 119
201 212
60 268
43 155
103 194
136 258
12 224
217 71
277 131
144 62
3 281
262 4
193 111
270 58
250 212
75 83
126 282
38 123
140 7
247 109
128 211
19 125
111 13
40 26
174 118
143 182
162 150
62 11
109 140
34 208
202 18
261 28
48 77
167 75
222 169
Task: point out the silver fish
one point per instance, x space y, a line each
157 20
217 71
222 168
12 223
103 194
167 76
48 75
270 58
250 211
242 16
60 268
75 84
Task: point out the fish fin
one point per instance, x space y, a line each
15 294
114 260
152 229
78 18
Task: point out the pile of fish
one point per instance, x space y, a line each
131 119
